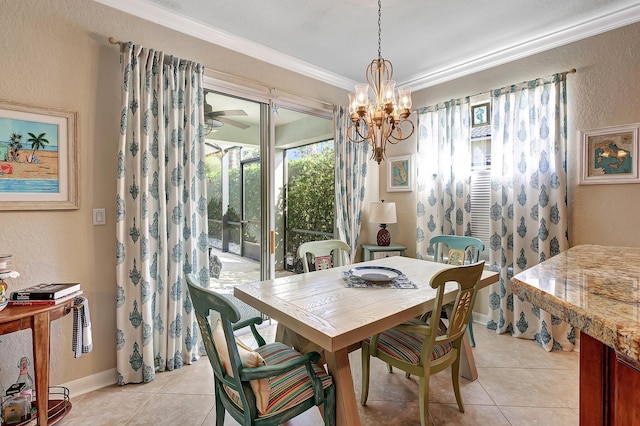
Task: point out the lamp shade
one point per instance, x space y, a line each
381 212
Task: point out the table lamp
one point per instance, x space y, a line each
383 213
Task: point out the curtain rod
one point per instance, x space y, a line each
113 40
564 75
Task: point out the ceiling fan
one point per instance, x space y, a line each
215 119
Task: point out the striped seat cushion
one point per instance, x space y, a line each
407 346
287 390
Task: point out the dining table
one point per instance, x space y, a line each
318 311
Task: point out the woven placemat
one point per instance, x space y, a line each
400 281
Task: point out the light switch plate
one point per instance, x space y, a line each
99 217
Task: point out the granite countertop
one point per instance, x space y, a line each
594 288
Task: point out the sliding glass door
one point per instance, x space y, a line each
247 143
234 140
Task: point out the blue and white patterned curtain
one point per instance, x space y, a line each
161 214
351 172
528 201
444 173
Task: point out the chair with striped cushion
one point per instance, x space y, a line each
459 250
417 348
265 386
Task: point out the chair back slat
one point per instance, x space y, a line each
204 301
459 249
467 278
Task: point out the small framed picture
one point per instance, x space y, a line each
610 155
399 173
481 115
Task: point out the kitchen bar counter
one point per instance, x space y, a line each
597 290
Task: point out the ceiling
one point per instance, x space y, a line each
428 41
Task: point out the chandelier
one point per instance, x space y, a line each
380 120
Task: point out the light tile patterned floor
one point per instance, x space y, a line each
519 384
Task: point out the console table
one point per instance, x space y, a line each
38 319
374 251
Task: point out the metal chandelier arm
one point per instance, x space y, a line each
398 128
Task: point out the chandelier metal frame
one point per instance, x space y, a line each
380 120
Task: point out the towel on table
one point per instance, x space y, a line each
82 343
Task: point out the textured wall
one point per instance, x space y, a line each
56 54
603 92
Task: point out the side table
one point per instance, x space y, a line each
38 319
374 251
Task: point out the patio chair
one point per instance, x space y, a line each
321 254
422 349
266 386
460 250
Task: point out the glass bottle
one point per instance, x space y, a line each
24 376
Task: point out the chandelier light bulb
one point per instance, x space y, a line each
404 97
362 95
389 92
353 103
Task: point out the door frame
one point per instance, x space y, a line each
269 102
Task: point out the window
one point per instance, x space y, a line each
481 179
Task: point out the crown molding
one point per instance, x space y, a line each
154 13
579 31
166 18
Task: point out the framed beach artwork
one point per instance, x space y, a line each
610 155
399 173
38 158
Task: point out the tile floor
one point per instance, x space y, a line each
519 384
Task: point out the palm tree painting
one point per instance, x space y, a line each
37 142
14 146
38 162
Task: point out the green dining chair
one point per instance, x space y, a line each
324 254
459 250
423 349
264 386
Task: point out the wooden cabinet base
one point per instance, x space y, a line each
609 385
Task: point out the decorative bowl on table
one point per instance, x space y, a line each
375 274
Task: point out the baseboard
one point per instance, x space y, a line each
479 318
90 383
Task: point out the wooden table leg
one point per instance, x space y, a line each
346 404
468 368
41 342
280 333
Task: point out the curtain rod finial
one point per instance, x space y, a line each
113 40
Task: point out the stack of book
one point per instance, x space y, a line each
45 294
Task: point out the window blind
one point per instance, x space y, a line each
480 208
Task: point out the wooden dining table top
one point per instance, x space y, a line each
321 308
